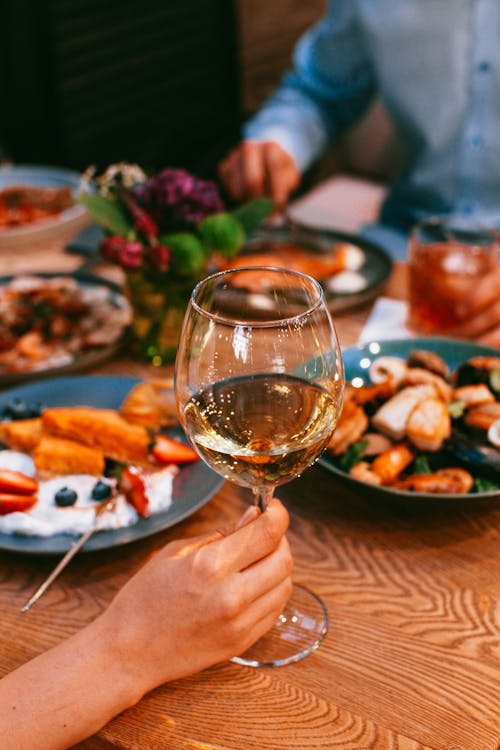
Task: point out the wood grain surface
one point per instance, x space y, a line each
412 658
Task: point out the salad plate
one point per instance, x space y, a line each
358 361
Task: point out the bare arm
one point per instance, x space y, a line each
194 604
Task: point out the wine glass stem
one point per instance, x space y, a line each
262 497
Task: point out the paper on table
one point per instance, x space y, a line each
387 321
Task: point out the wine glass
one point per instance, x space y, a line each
259 384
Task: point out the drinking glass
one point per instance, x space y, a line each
259 385
448 255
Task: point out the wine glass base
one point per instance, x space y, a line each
299 630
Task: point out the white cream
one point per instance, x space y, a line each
17 462
45 518
347 282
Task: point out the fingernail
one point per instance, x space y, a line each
251 513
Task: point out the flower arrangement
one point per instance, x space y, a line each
166 231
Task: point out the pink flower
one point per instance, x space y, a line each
159 256
131 255
145 226
111 247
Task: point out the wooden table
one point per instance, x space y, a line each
412 658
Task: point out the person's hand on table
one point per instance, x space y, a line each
199 602
481 313
255 168
196 603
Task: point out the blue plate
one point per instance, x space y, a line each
194 485
357 361
64 226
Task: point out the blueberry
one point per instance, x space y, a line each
101 491
65 497
19 409
16 409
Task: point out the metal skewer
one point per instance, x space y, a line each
68 556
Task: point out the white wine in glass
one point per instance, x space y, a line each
259 385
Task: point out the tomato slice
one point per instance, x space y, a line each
17 483
168 450
12 503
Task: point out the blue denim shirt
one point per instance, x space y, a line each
436 66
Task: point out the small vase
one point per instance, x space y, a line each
158 307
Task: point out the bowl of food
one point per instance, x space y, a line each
421 421
39 203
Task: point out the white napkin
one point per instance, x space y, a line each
387 321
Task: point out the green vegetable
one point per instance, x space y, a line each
456 409
352 455
421 466
494 381
484 485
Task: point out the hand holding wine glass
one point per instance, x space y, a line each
259 387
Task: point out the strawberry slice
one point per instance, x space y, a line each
12 503
133 486
17 483
168 450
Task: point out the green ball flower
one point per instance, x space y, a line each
222 233
187 257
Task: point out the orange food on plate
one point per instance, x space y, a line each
23 204
103 429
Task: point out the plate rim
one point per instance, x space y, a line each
109 538
417 342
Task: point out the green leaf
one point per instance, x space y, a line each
421 466
253 213
481 484
352 455
107 213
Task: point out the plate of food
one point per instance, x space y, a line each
421 420
72 443
52 324
352 270
39 203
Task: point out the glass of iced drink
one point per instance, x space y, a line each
448 256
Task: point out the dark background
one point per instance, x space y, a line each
97 81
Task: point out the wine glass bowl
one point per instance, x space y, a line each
259 385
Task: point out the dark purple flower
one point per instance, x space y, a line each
159 257
175 197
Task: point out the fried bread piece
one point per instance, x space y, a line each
54 455
21 435
151 404
104 429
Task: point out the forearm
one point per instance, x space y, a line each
67 693
331 85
